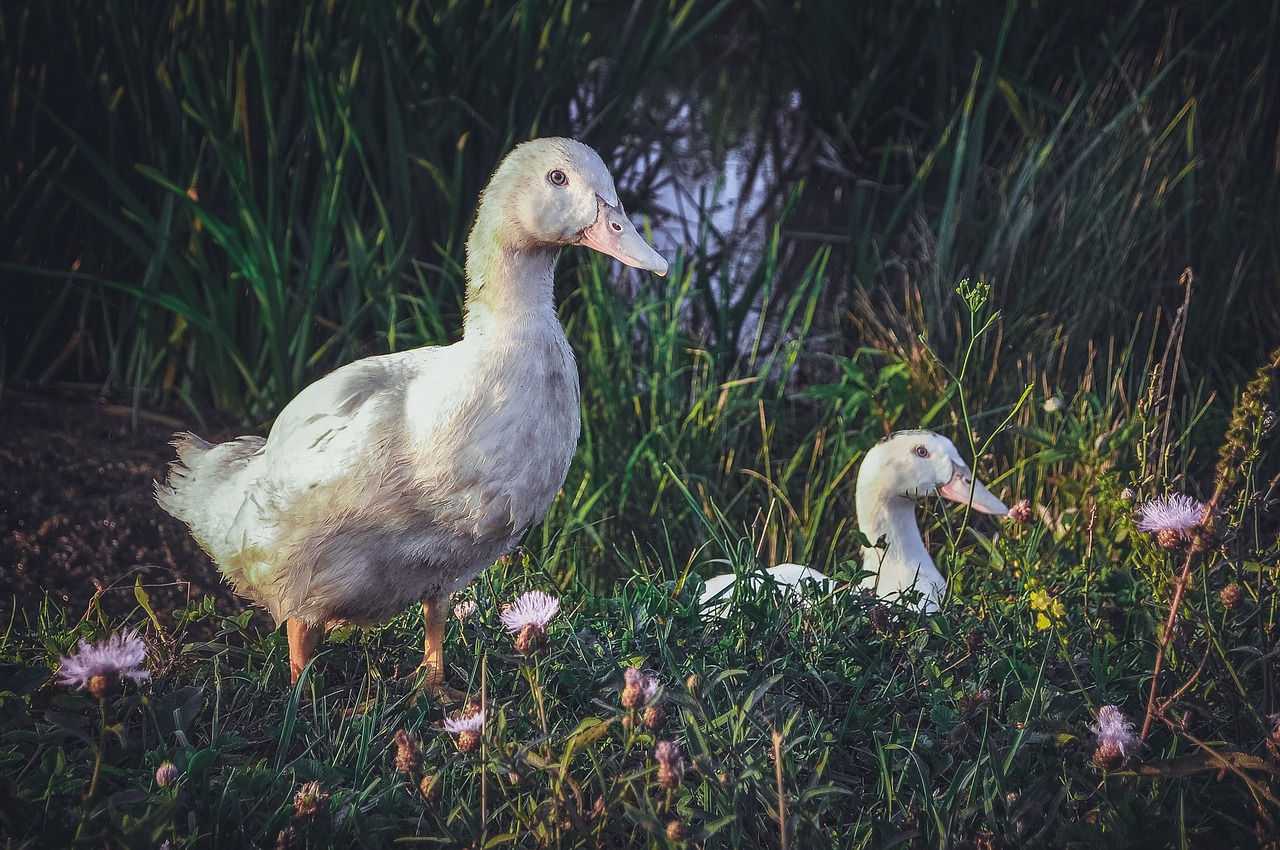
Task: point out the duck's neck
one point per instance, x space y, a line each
509 288
906 563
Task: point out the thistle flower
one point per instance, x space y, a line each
467 727
310 801
408 753
527 619
430 787
638 689
166 774
306 828
1021 512
1171 518
465 610
670 764
99 667
677 830
1115 736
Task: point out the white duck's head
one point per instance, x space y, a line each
916 464
547 193
900 470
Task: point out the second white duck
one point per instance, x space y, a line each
898 472
788 580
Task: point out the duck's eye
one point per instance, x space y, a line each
558 177
921 451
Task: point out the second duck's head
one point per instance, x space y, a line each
914 464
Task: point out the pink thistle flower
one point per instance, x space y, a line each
309 801
472 721
1173 514
531 608
467 727
527 618
670 764
638 689
1114 730
98 667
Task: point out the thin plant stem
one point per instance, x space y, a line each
782 795
1166 636
484 712
98 753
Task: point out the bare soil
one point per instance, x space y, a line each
78 518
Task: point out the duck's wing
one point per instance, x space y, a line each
341 425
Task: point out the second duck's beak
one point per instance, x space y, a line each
615 235
967 490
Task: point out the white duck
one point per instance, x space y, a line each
787 580
398 478
899 471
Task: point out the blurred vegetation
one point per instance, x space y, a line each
223 202
230 199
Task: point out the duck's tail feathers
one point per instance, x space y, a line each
200 470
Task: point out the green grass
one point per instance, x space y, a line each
888 725
874 724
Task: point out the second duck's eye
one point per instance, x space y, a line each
921 451
558 177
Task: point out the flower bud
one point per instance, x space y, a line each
1231 596
1108 756
408 753
677 830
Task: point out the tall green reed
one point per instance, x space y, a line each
278 193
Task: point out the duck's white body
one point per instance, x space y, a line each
788 580
398 478
899 471
392 479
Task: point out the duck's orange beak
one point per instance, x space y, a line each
967 490
615 235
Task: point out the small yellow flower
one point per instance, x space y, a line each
1050 611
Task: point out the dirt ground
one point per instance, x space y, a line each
78 516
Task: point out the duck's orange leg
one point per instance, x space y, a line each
434 615
303 639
